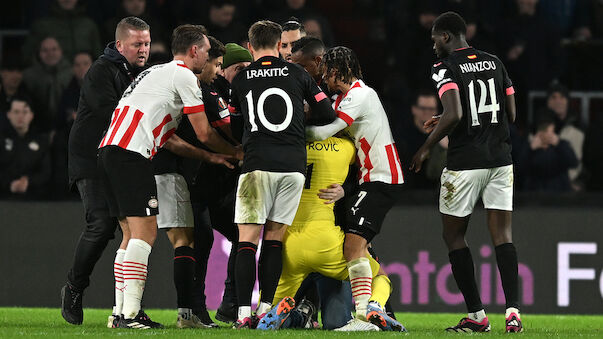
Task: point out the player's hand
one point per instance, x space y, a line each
333 193
222 159
418 159
239 152
430 124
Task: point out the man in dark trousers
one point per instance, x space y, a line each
102 88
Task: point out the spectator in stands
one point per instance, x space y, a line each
593 154
413 135
46 80
299 9
11 86
137 8
67 23
566 125
221 25
71 96
24 155
547 158
530 47
65 117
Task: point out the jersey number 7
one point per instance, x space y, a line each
493 107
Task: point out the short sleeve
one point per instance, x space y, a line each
507 83
443 78
322 112
187 87
350 107
235 103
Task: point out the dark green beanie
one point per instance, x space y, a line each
235 54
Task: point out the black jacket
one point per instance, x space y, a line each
103 85
29 156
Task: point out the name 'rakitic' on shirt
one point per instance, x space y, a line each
268 72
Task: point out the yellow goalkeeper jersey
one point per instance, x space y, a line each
327 163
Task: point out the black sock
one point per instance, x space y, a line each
230 294
184 272
245 272
389 309
270 268
506 258
462 269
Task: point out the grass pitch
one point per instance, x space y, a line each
47 322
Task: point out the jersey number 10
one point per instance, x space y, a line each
261 100
493 108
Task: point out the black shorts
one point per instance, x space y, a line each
130 184
368 207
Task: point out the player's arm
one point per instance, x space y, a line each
208 136
315 133
190 93
321 112
178 146
453 112
510 106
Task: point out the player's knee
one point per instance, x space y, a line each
100 229
453 239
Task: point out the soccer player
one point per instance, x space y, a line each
174 170
313 243
307 52
214 189
147 115
478 101
270 94
361 114
293 30
102 87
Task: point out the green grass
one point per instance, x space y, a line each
38 322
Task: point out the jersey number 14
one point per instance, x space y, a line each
493 107
260 110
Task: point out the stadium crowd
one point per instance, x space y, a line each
547 45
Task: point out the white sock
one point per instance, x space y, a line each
361 278
477 316
244 312
135 275
512 310
119 281
263 308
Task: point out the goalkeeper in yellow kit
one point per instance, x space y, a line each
313 243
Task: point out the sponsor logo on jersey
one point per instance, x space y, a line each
268 72
440 75
480 66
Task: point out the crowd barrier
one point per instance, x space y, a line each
560 259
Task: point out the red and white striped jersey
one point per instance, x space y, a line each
376 152
150 110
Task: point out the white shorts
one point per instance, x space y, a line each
175 209
459 190
270 196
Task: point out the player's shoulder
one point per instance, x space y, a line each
360 90
180 70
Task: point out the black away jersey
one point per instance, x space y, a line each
481 139
270 94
